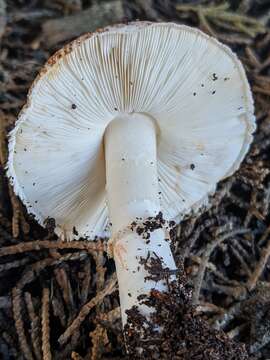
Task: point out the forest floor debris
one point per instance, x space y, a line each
225 249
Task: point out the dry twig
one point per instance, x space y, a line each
100 342
205 257
38 245
259 268
35 326
19 324
109 289
224 18
45 323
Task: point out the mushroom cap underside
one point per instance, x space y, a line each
194 87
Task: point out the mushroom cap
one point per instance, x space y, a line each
193 86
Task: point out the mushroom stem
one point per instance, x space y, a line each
133 195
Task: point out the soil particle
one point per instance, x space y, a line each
75 232
50 224
146 227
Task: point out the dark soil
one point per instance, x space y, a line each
184 334
59 300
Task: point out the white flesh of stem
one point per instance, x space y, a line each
132 190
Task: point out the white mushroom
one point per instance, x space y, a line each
174 111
